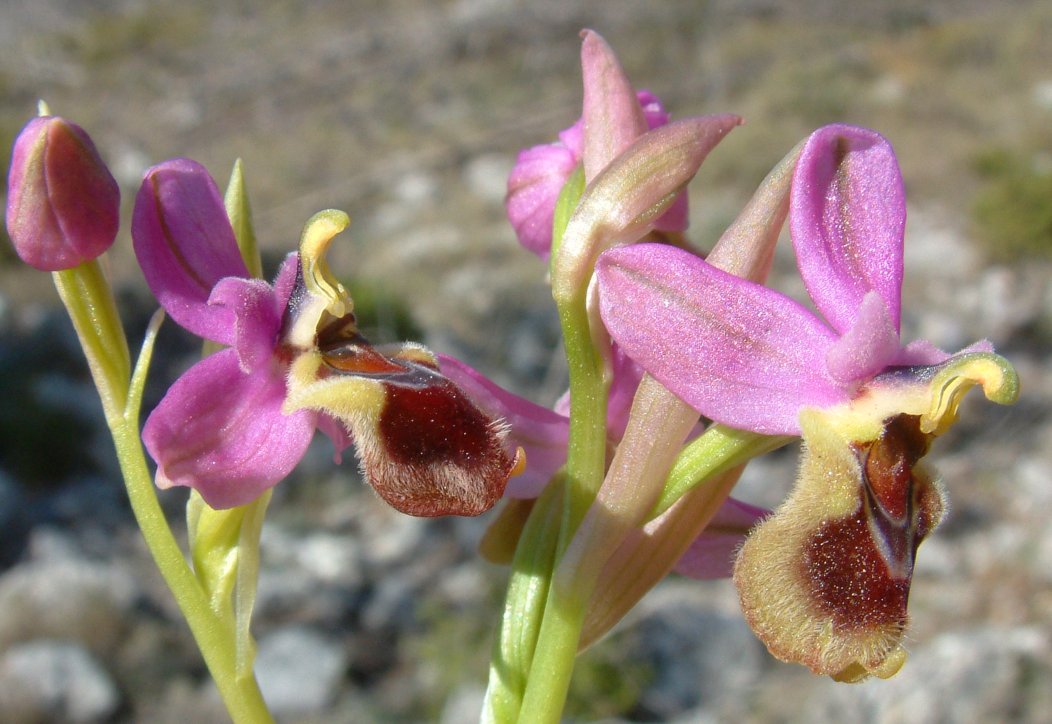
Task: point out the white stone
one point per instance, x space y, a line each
47 680
299 670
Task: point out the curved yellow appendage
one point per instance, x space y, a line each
318 234
997 377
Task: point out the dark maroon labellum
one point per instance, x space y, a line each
860 567
443 456
431 452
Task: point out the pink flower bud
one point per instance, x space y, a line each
63 204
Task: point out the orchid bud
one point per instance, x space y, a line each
614 115
63 204
623 202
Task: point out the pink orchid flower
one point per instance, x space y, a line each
239 421
825 580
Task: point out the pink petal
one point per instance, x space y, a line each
533 188
612 115
869 346
712 553
541 432
615 115
285 282
541 172
847 218
627 375
739 353
622 204
653 111
573 138
222 432
924 353
257 318
185 244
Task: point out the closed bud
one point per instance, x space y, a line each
63 204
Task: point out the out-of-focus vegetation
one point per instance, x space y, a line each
1013 211
606 682
382 317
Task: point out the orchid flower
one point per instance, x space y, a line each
825 580
238 421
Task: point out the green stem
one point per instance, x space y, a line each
89 300
554 657
556 648
516 641
215 638
586 453
586 448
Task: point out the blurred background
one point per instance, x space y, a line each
408 114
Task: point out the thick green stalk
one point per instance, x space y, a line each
559 619
586 448
556 648
586 453
657 426
554 657
527 592
620 204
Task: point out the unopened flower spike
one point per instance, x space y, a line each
623 202
636 185
237 422
825 580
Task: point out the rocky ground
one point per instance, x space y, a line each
408 114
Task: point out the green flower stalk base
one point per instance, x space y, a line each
89 301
